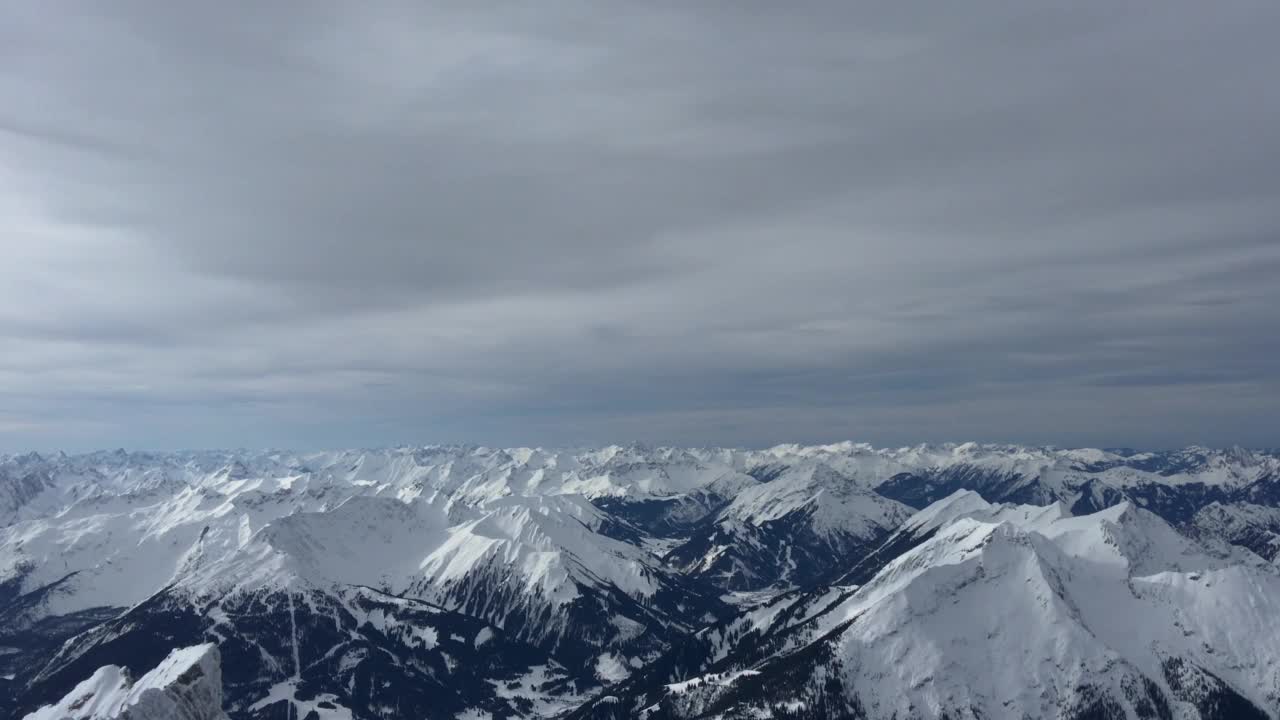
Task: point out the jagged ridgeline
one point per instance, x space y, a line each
953 581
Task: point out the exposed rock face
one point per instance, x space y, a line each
187 685
994 611
444 582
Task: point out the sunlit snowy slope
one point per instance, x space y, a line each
479 582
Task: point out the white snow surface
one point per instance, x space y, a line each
836 503
186 685
1004 607
112 528
1239 521
1007 609
550 543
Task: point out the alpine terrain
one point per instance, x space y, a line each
837 581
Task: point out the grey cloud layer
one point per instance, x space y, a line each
335 224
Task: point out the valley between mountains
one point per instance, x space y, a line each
839 581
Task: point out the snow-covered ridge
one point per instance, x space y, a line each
187 685
1253 526
549 543
110 528
1023 611
835 502
604 560
789 530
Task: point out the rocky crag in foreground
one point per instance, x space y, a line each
829 581
186 685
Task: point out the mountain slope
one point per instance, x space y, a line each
792 530
630 568
1255 527
1018 612
538 568
186 685
355 651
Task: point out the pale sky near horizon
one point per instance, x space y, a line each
322 224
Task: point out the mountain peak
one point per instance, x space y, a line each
186 685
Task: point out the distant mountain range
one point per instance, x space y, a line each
836 581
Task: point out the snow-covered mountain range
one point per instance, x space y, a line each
630 581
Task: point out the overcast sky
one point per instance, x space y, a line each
308 224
